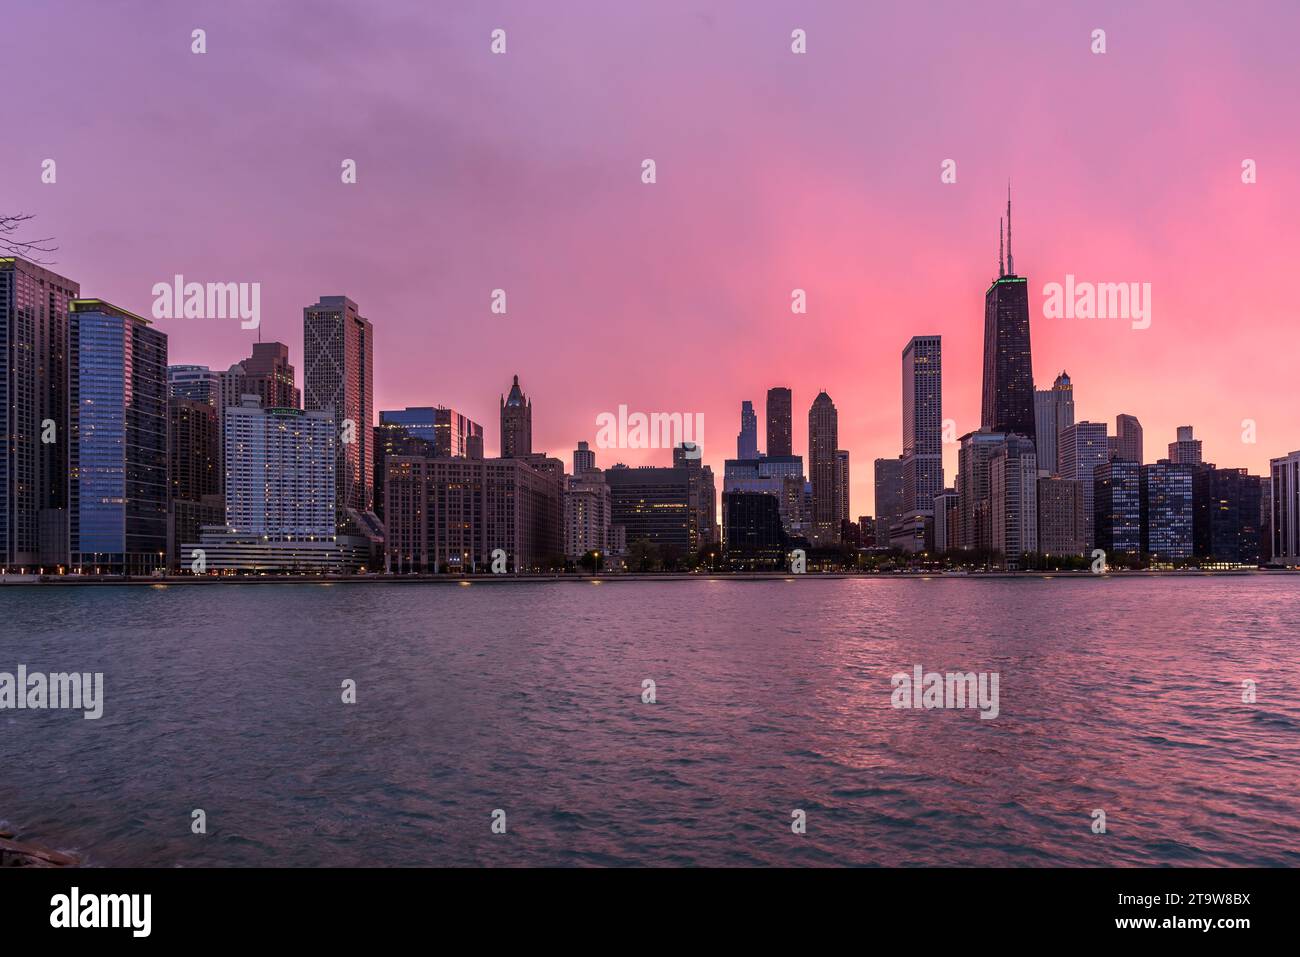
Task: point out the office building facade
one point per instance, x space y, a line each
451 514
1226 517
1117 508
1082 448
34 385
117 497
1167 512
338 378
1013 498
1053 411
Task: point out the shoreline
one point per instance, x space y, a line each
540 579
14 853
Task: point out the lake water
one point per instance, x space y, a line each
1120 695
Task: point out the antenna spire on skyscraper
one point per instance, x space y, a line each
1001 271
1011 263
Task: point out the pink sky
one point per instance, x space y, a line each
775 171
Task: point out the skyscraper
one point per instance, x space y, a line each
842 485
281 503
279 474
753 530
1082 447
1226 515
1117 508
269 375
1060 516
890 502
1008 397
34 306
1284 495
338 376
447 431
117 499
1185 450
194 470
946 520
747 440
1013 497
823 440
197 383
703 495
1167 513
586 514
450 514
1053 411
780 422
778 476
922 438
654 504
1127 441
420 430
973 491
584 459
516 423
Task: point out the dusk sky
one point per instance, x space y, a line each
776 171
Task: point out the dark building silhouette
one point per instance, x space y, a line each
753 532
516 423
34 306
660 505
747 440
194 471
891 501
1008 397
823 438
780 422
1226 516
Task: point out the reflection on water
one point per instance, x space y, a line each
1120 695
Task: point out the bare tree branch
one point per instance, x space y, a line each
27 248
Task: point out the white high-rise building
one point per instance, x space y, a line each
1285 508
279 472
280 496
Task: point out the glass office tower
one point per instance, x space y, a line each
117 501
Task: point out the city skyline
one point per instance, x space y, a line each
709 254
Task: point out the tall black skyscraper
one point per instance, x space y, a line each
780 431
34 307
1008 404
